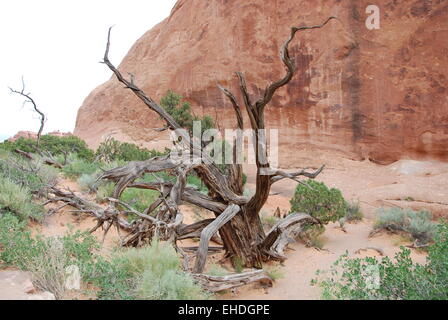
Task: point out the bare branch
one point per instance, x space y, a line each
236 107
36 109
277 175
220 283
290 66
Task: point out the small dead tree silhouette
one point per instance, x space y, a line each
236 216
29 99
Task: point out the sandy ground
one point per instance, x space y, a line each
407 183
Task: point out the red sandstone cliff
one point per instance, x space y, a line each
378 94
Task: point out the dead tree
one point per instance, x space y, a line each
47 158
237 217
29 99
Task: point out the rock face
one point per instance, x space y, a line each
16 285
378 94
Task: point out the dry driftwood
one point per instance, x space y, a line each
220 283
284 232
47 161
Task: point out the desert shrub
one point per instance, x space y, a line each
114 150
182 113
195 181
87 182
18 200
417 223
275 273
151 272
104 191
399 279
326 205
354 212
33 175
45 258
77 167
138 198
217 271
54 145
192 180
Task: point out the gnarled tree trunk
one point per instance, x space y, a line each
237 217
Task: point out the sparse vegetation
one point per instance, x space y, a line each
238 264
54 145
268 220
138 198
104 191
398 279
87 182
77 167
217 270
45 258
354 212
151 272
17 200
113 150
275 273
417 223
33 175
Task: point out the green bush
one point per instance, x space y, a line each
401 279
53 144
354 212
182 113
33 175
195 181
77 167
139 199
417 223
104 191
87 182
113 150
45 258
151 272
18 200
326 205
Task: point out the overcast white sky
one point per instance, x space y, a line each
56 45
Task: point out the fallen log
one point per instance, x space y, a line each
220 283
47 161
